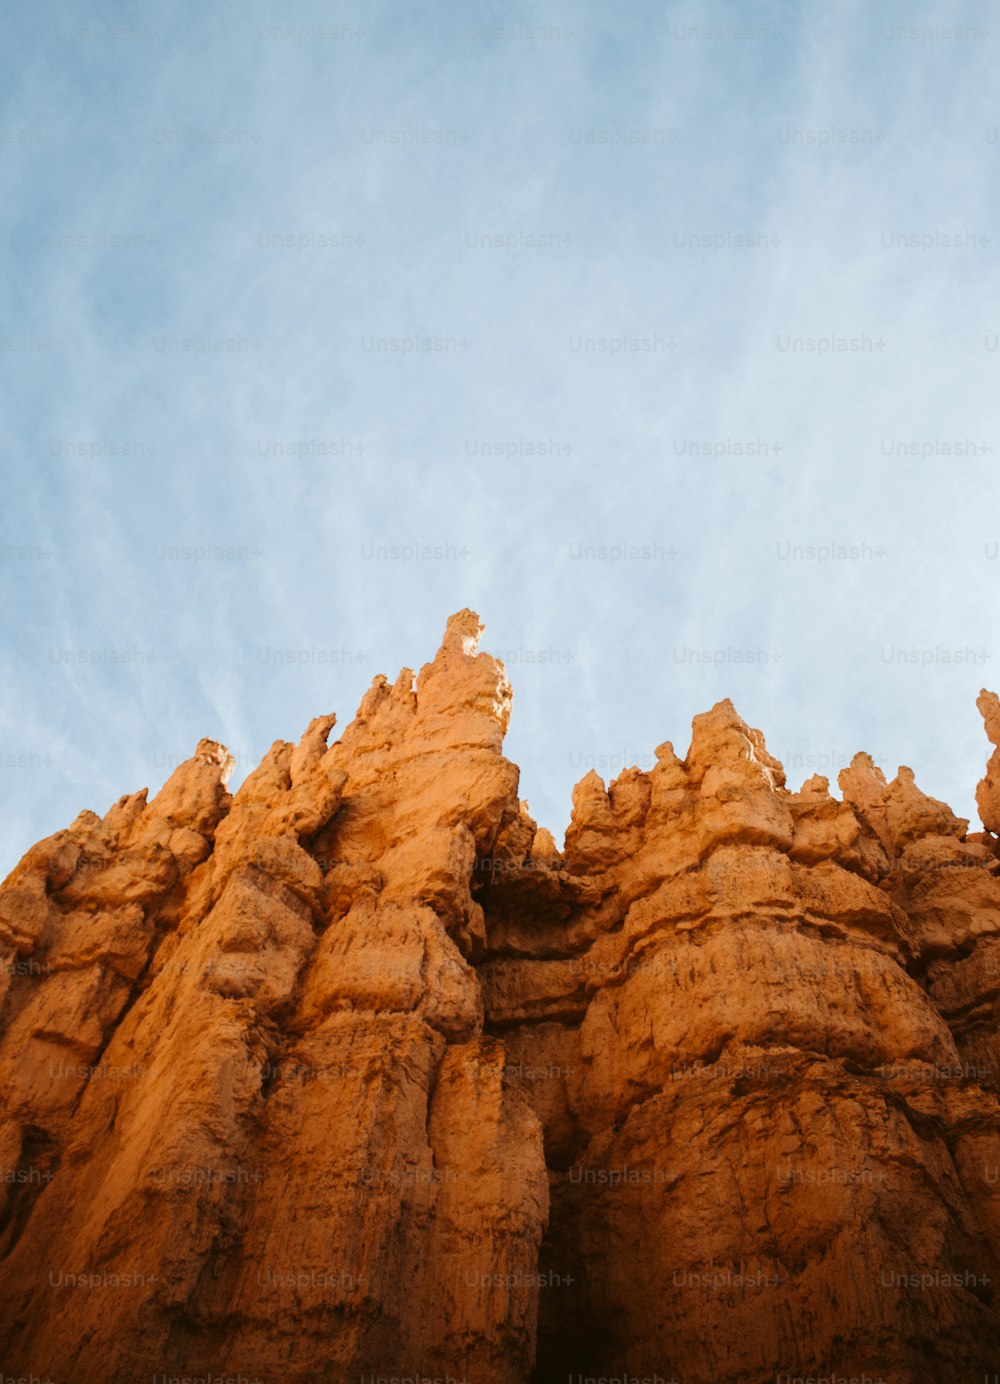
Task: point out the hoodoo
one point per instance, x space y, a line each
354 1074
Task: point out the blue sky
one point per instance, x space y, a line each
657 323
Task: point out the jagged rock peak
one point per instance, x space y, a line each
988 791
354 1073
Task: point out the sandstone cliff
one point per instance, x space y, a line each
353 1073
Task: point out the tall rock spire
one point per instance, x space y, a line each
354 1072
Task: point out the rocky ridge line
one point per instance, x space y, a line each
355 1072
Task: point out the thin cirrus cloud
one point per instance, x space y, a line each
518 182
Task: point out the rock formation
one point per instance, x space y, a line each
354 1074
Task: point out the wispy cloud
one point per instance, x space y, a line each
532 285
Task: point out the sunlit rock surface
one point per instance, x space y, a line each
354 1073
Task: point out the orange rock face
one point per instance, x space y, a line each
353 1075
